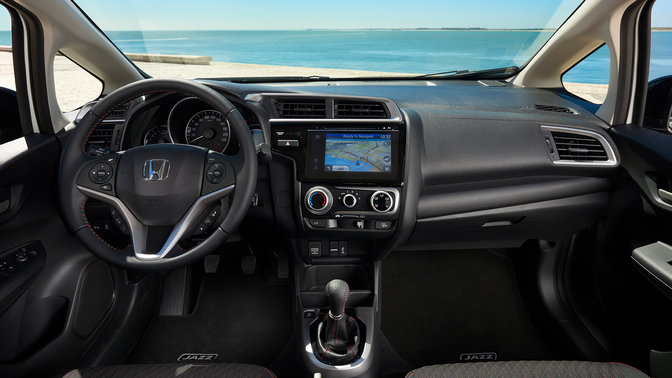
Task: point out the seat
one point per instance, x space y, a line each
174 370
528 369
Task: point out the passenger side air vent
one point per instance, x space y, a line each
555 109
359 109
301 108
578 147
570 146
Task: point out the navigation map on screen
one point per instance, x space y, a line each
358 153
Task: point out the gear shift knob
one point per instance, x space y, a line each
337 292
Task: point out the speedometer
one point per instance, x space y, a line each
209 129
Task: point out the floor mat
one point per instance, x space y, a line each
437 306
241 318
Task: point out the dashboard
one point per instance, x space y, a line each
352 169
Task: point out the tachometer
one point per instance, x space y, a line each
208 128
157 135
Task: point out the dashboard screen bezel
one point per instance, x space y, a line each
315 155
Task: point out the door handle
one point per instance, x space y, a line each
665 195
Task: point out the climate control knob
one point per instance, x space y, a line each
318 200
349 201
382 201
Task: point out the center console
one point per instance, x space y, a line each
346 203
348 177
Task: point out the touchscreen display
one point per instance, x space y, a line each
354 152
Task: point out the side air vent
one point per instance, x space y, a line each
119 112
102 135
579 147
359 109
555 109
569 146
301 108
102 139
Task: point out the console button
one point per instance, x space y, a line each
288 143
107 187
318 223
333 248
349 200
383 225
315 248
342 248
382 201
318 200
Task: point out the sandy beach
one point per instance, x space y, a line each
73 87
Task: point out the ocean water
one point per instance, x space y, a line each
421 51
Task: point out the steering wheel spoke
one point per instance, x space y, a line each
140 232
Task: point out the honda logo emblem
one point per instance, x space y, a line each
156 169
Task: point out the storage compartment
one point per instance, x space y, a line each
316 277
509 226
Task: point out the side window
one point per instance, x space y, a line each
74 85
10 126
658 111
589 79
661 40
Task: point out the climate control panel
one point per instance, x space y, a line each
350 208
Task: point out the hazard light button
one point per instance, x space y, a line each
288 143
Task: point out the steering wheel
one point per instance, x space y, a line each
163 192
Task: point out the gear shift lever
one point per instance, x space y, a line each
338 333
337 292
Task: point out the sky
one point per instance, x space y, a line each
347 14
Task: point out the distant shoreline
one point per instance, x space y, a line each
657 29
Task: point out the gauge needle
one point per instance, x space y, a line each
195 139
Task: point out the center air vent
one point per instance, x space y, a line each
555 109
359 109
571 146
301 108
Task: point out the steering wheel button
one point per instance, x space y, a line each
100 173
215 173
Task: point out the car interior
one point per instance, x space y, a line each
199 227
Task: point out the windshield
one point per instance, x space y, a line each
345 39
